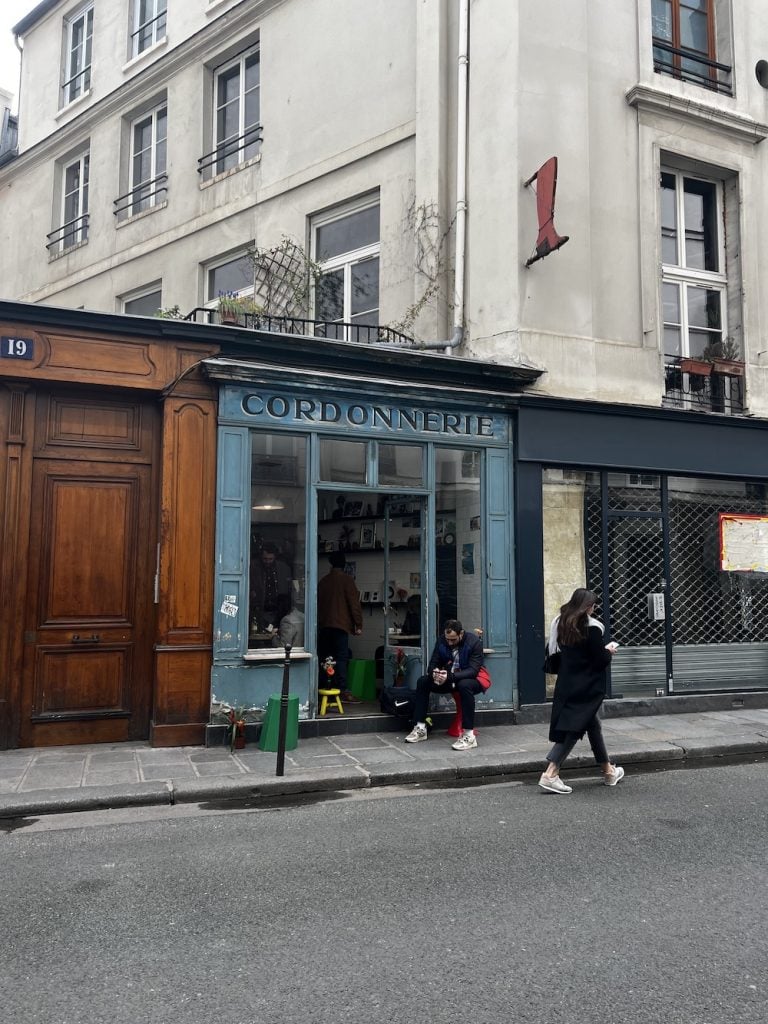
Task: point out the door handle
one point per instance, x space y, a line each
94 638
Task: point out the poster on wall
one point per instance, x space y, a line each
743 543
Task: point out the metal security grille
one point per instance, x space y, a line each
710 606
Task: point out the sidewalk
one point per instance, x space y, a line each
56 779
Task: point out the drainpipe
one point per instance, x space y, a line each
462 103
21 58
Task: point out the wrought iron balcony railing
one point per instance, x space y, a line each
690 66
141 198
363 334
227 153
68 235
704 387
148 33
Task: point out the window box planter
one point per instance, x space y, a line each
698 367
728 367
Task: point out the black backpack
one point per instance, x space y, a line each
397 701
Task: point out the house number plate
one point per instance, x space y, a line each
16 348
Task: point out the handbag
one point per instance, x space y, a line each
551 662
484 678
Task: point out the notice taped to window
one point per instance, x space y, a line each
743 543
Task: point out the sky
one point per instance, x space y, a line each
11 12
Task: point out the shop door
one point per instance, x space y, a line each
87 671
404 575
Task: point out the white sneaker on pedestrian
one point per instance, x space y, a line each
553 784
467 741
615 777
417 734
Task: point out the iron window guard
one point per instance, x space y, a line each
145 26
707 80
136 196
60 234
228 148
74 78
363 334
713 391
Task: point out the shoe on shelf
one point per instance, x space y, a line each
615 777
349 698
416 735
553 784
467 741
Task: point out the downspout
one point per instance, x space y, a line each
21 58
462 105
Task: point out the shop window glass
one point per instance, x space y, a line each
401 465
458 536
343 461
278 532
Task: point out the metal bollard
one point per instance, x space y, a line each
283 720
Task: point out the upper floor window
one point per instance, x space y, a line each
148 160
232 276
73 217
77 54
347 248
685 43
149 20
236 112
144 302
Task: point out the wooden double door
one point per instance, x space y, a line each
89 611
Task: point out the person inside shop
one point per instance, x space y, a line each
454 665
270 587
412 621
291 628
339 614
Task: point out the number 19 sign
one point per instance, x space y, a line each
16 348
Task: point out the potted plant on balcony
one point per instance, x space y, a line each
698 366
232 307
724 357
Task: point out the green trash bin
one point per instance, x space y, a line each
271 724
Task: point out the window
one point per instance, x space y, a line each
693 275
685 43
144 303
233 277
148 161
73 221
149 21
237 132
77 55
347 249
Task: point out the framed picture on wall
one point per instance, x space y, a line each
353 508
365 597
367 535
374 597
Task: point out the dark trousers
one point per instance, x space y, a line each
561 750
334 643
466 689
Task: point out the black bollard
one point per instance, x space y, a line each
283 720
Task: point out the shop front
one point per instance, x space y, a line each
665 516
414 490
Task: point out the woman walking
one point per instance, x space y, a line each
580 689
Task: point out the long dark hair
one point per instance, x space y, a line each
573 625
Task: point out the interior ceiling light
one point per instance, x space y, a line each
269 503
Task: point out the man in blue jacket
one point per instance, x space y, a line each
455 662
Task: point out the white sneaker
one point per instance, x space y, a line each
615 777
417 734
467 741
553 784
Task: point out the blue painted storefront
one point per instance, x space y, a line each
395 415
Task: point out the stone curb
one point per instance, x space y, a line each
92 798
228 788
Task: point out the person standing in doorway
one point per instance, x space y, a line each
455 662
270 587
338 614
580 689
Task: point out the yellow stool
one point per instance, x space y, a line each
332 697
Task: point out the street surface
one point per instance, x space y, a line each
634 905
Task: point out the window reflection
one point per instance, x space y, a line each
458 536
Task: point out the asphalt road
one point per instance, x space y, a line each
634 905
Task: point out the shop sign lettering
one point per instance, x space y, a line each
302 412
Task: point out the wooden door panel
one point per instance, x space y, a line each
89 615
69 682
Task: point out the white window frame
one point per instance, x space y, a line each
239 156
682 276
140 293
155 19
78 83
138 203
78 235
347 260
211 301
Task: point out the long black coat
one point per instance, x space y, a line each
581 686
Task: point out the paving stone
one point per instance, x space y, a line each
171 771
228 767
53 777
112 777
